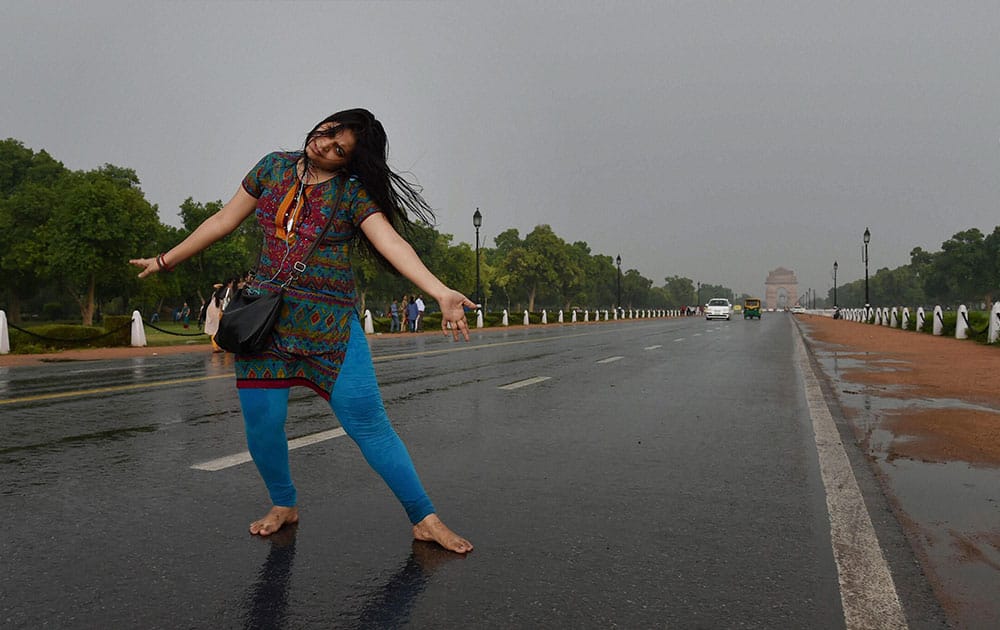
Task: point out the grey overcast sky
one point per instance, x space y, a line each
712 140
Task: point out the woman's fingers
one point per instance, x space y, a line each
145 263
457 325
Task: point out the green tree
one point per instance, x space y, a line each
960 272
635 290
679 291
539 261
897 286
29 188
558 273
709 291
991 245
15 162
100 220
507 242
598 282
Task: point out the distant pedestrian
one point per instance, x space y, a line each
420 313
411 314
213 313
394 315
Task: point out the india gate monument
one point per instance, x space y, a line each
782 289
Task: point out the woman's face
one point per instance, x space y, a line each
331 152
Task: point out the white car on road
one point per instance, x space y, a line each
719 308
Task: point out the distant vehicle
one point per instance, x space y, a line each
798 308
719 308
751 308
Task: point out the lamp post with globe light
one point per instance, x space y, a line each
835 284
477 220
618 261
867 237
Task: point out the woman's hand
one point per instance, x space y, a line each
452 305
149 265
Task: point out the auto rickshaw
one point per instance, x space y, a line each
751 308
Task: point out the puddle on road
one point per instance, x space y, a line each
951 507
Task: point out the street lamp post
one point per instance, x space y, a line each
618 261
699 299
835 284
477 220
868 237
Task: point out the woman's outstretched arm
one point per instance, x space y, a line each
212 229
400 254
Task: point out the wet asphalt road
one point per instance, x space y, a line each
664 475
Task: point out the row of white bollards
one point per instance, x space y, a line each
138 330
900 318
994 332
4 335
137 336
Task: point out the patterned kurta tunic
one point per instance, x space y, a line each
310 338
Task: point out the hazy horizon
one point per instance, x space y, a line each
706 140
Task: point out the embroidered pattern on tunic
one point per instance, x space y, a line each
310 338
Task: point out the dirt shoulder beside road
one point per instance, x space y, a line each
911 365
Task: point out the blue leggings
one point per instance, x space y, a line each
357 402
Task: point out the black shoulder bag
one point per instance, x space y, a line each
246 323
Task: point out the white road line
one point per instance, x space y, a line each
525 382
867 591
611 359
681 339
241 458
652 347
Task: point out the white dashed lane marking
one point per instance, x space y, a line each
241 458
525 382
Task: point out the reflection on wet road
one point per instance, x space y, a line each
638 476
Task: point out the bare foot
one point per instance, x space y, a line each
274 519
431 529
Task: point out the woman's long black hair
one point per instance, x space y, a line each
396 197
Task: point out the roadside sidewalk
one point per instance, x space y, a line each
96 354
